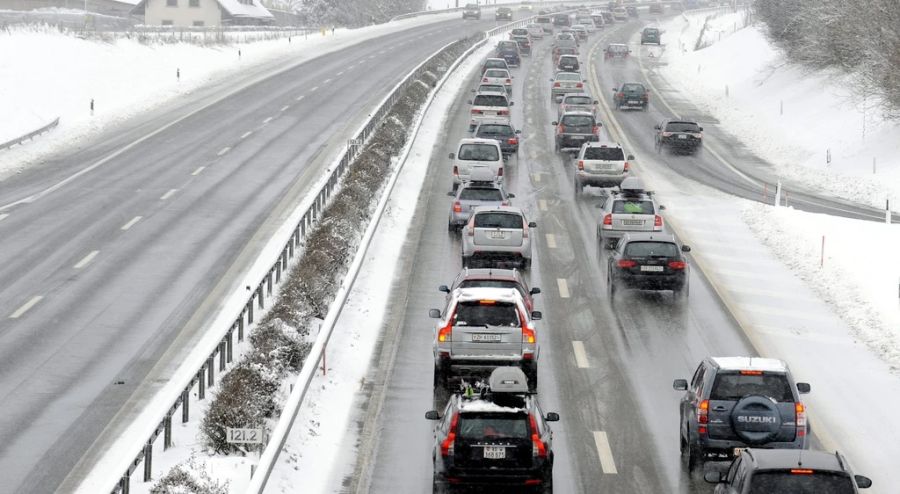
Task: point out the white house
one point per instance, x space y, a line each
208 13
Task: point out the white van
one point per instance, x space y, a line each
476 154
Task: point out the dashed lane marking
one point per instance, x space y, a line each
285 107
28 305
267 120
225 150
131 223
580 355
87 259
536 177
551 240
198 171
605 453
542 204
300 98
326 81
168 194
563 288
340 73
246 134
314 89
4 216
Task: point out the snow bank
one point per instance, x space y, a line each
788 115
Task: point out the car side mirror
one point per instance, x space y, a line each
512 103
685 248
511 195
596 102
451 193
630 157
536 315
803 388
615 89
701 129
444 288
535 291
680 385
432 415
862 481
712 477
584 80
518 131
554 123
554 417
551 79
662 207
656 127
452 156
434 313
532 224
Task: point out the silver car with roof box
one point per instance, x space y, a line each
601 164
481 191
632 209
499 234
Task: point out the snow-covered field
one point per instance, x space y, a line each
791 116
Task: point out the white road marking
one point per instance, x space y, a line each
28 305
563 287
3 216
198 171
340 73
246 134
299 98
131 223
743 274
267 120
87 259
536 177
551 240
168 194
285 107
580 355
315 88
224 150
606 457
542 204
326 81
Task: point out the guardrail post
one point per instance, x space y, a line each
148 461
167 431
240 325
229 343
210 366
185 406
222 351
260 298
269 284
201 384
250 311
124 484
278 268
293 243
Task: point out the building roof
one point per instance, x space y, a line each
233 8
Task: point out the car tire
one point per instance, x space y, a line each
579 187
465 262
611 288
682 293
451 227
526 264
441 380
438 487
531 374
690 456
547 487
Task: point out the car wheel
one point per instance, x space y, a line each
611 288
547 487
451 227
690 456
441 379
579 187
438 487
465 262
526 263
531 374
681 293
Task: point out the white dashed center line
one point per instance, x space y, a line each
580 355
131 223
316 88
285 107
87 259
536 177
340 73
326 81
224 150
563 288
551 240
267 120
542 204
28 305
606 457
198 171
168 194
246 134
4 216
300 98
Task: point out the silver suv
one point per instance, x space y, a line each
630 210
482 329
601 164
499 233
471 195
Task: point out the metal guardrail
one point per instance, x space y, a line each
30 135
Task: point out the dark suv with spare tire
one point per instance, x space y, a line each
733 403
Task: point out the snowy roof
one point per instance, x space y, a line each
238 9
479 405
750 363
489 293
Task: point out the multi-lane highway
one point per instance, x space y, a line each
119 247
607 369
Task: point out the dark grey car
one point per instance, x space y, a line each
733 403
501 131
776 471
574 129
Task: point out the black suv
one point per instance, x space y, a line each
733 403
631 95
777 471
501 131
679 135
650 35
648 261
471 11
503 13
494 435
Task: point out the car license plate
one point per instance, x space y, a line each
577 138
652 269
486 338
498 235
605 166
633 222
682 136
632 102
494 453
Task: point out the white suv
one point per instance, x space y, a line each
601 164
488 106
474 154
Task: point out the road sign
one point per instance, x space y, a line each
234 435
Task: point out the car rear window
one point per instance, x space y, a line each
606 154
568 76
785 482
480 194
495 64
479 152
578 120
633 88
633 206
496 73
491 87
493 426
543 20
651 249
478 313
498 220
568 59
651 30
682 127
523 32
494 130
578 100
732 386
490 284
490 100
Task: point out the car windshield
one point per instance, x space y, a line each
480 194
497 73
632 88
486 313
809 482
578 120
490 100
568 76
651 249
498 220
568 59
494 130
479 152
493 426
579 100
605 154
682 127
732 386
617 48
633 206
566 50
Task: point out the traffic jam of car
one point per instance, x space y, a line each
489 427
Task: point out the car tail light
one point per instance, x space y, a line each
555 84
512 140
470 231
524 228
627 166
528 335
503 112
509 81
578 84
562 129
457 207
677 264
595 129
800 412
456 170
607 220
447 443
657 221
476 112
445 334
621 95
538 449
666 134
802 471
626 263
751 373
703 416
581 165
484 79
500 172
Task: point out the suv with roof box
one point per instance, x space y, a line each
600 164
631 209
498 234
788 471
481 191
488 106
574 129
502 131
481 329
492 435
493 278
734 403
